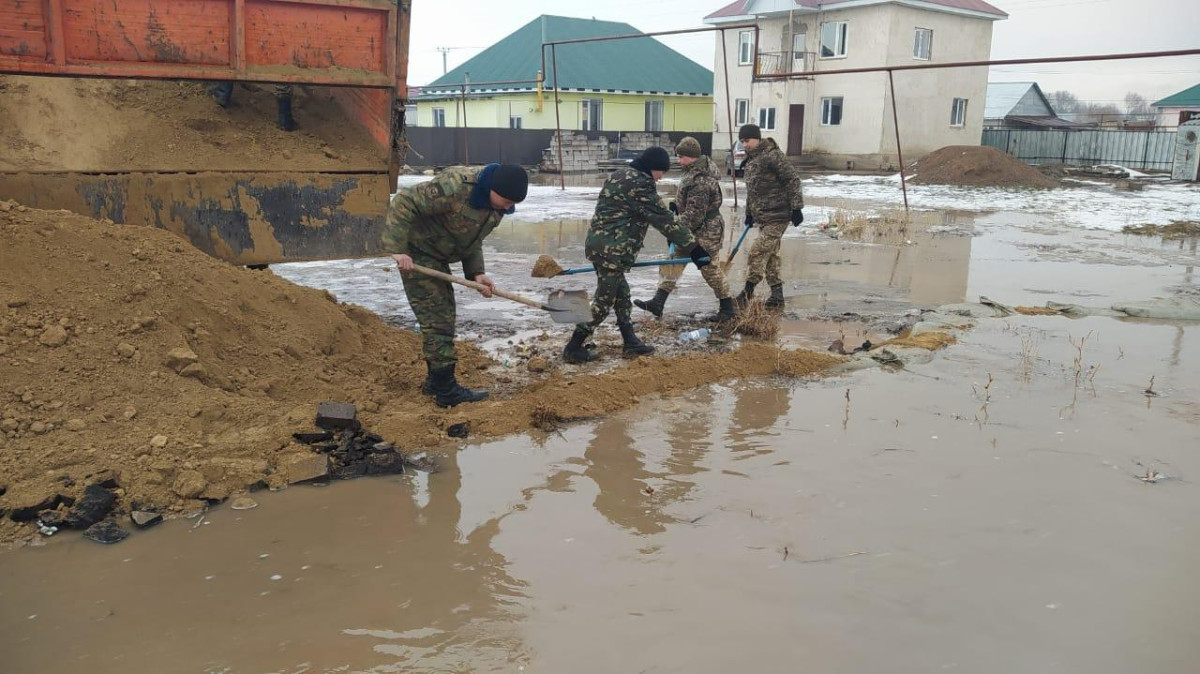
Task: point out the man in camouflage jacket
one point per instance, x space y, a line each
628 205
699 207
773 200
434 224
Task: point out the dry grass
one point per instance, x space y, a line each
756 321
545 419
546 267
926 340
1036 311
860 226
1178 229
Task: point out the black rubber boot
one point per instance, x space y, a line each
726 312
747 294
222 93
654 306
775 301
427 387
447 391
286 121
633 345
575 352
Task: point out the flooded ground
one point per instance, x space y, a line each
1020 503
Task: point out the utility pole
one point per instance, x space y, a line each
444 50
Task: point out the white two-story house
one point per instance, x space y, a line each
845 120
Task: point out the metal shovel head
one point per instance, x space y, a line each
569 306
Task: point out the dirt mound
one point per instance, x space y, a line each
123 125
126 353
977 166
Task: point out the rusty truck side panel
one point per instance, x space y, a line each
331 42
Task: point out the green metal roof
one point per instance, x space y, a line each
636 65
1182 99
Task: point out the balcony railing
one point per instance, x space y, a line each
780 62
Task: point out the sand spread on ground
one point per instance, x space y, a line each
977 166
73 124
126 351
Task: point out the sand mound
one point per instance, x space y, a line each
70 124
127 353
977 166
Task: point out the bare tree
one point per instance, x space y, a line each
1063 102
1137 107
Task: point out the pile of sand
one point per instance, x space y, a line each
977 166
70 124
127 353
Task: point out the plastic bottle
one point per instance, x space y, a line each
700 335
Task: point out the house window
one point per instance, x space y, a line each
831 111
923 44
593 114
766 118
654 115
514 122
798 40
745 47
958 112
743 111
439 117
833 39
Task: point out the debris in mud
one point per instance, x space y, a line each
243 503
348 452
977 166
460 430
107 532
1177 229
143 519
1036 311
545 419
95 504
868 227
546 267
336 416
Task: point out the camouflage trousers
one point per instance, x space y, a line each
612 292
764 254
432 300
710 237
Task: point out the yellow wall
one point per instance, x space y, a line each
622 112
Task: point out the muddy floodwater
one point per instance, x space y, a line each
1026 501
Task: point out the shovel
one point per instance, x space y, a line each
736 247
564 306
546 267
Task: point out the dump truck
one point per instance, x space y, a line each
125 130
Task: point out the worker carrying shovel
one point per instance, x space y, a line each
774 200
433 224
699 207
628 205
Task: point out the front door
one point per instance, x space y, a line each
795 130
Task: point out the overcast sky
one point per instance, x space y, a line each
1034 28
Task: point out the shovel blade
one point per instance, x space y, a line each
569 306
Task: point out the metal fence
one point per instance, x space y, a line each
1143 150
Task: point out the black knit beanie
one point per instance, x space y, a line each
653 158
510 182
749 131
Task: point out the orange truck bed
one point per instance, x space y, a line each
360 47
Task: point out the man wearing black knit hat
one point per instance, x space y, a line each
773 201
628 205
434 224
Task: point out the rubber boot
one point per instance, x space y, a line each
427 387
654 306
747 294
222 93
286 121
575 352
447 391
633 345
726 312
775 301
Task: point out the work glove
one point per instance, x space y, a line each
797 217
749 218
673 207
700 256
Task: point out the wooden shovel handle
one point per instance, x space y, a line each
476 286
